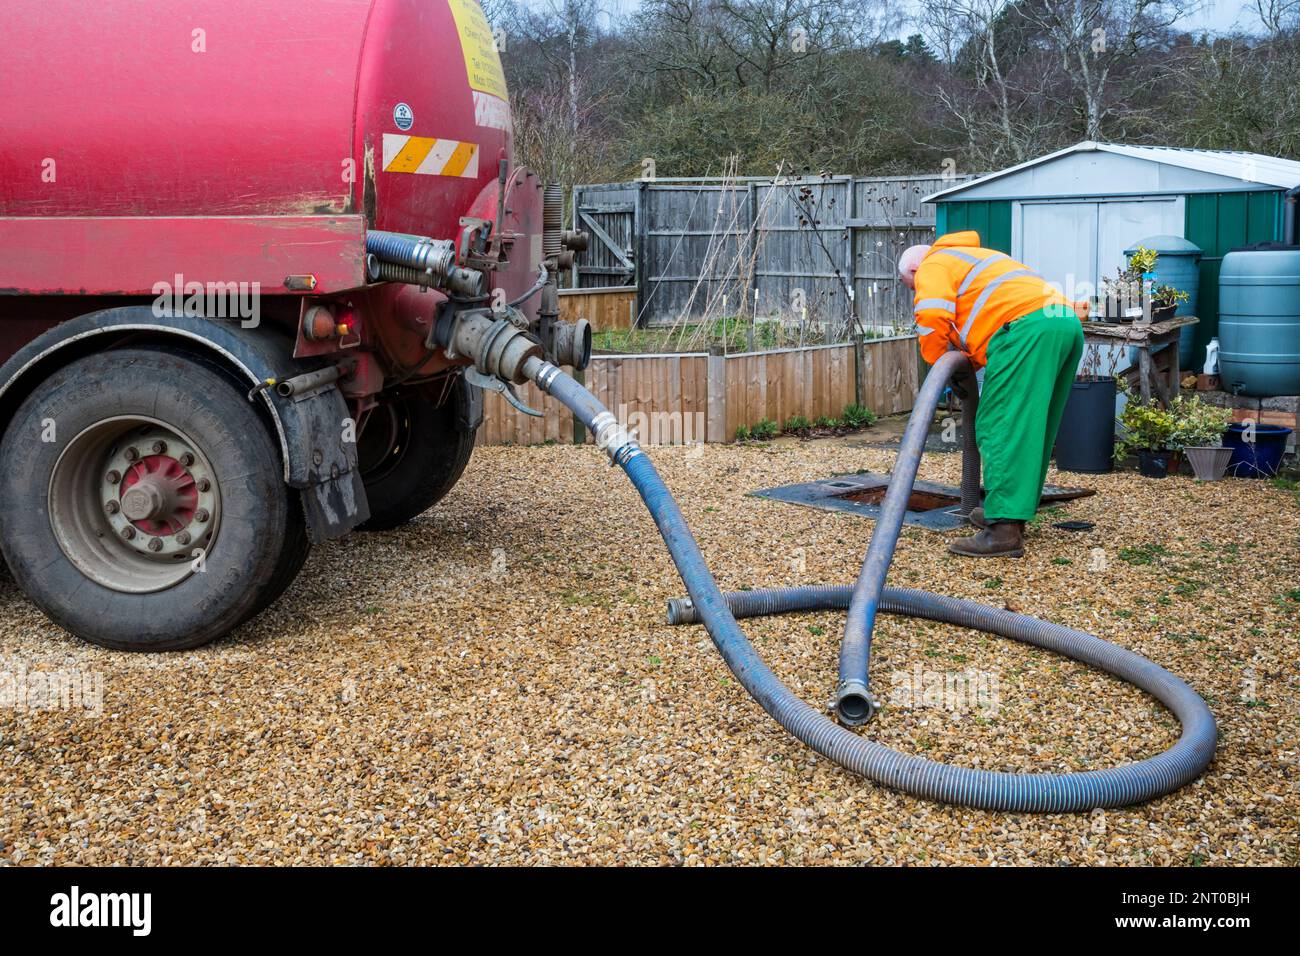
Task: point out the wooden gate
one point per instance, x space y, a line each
609 215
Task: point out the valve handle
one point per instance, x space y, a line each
491 384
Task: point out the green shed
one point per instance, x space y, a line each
1071 214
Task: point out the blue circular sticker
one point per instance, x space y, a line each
403 117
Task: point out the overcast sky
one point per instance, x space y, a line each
1216 15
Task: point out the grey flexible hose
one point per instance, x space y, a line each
854 703
1068 792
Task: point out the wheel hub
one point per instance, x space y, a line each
159 495
131 501
164 499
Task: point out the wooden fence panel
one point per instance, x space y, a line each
694 396
603 308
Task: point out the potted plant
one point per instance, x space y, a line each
1198 431
1118 295
1148 432
1122 294
1165 301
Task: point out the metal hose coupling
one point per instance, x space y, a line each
682 611
497 346
571 343
613 439
854 703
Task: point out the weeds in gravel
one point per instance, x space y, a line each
1143 554
857 416
1040 517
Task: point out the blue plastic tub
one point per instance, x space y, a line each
1259 459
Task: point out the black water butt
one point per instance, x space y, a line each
1086 441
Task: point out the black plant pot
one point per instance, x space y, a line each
1154 464
1086 439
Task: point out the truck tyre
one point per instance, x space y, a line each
293 555
144 506
411 454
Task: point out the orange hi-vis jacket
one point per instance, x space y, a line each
965 293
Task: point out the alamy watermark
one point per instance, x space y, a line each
663 428
26 690
954 691
213 300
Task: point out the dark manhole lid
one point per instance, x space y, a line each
932 505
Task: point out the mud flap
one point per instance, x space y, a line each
323 465
469 406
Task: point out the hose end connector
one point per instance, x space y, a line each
682 611
854 704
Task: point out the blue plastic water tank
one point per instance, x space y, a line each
1259 320
1178 265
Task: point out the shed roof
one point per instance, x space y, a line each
1188 170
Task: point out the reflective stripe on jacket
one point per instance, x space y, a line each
965 293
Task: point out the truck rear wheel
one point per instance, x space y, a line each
144 507
411 454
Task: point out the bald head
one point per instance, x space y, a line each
909 262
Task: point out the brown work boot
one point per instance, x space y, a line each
976 517
1001 539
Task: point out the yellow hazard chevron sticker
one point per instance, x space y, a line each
426 156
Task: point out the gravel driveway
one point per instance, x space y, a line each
495 683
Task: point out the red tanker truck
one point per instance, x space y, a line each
258 259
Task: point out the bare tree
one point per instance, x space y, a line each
562 32
1096 39
680 40
996 85
766 38
828 85
739 44
545 140
1240 93
1278 15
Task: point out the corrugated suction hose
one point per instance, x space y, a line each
1043 793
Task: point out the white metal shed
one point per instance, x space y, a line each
1071 214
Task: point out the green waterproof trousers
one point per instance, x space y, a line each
1031 366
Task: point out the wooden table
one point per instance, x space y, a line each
1162 381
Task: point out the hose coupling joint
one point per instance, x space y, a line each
854 704
613 439
546 376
